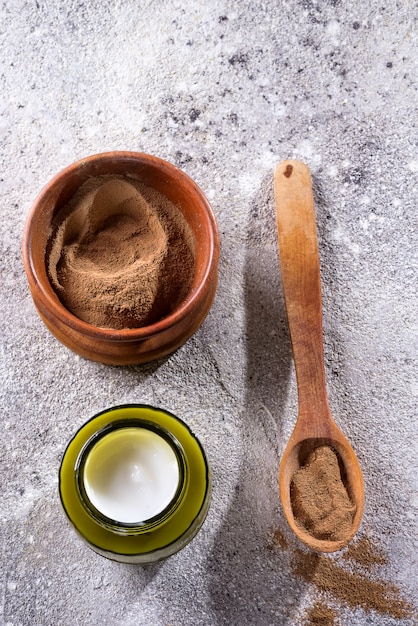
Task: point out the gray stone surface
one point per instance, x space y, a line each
224 90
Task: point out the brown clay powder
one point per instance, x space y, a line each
320 615
278 539
352 589
121 255
340 581
365 553
320 501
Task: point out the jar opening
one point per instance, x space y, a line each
130 476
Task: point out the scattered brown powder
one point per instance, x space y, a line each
320 615
354 590
278 539
121 255
365 553
320 501
338 578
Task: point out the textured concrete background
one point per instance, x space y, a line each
224 90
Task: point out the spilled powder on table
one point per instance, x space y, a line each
340 580
365 553
279 539
320 615
121 255
353 589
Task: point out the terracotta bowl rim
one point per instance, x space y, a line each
48 296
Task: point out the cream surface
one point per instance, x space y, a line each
131 475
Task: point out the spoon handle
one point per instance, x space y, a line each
299 261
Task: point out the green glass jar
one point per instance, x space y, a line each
135 483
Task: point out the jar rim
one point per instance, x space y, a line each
143 525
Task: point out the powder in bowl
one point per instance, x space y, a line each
120 254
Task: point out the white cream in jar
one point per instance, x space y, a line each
131 475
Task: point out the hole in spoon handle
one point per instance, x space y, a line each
299 262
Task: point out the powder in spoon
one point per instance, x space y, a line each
120 254
320 502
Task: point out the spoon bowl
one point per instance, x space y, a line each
296 453
315 426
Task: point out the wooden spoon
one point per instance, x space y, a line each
315 426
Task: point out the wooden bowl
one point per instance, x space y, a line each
133 345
